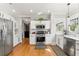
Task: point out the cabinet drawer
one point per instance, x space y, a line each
77 49
77 52
77 45
77 41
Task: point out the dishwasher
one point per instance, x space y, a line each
69 47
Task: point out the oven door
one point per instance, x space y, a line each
40 26
40 39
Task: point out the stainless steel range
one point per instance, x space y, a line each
40 36
40 26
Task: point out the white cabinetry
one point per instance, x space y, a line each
59 40
77 48
32 39
34 23
46 23
48 39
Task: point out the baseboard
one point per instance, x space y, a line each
16 45
14 48
53 43
35 44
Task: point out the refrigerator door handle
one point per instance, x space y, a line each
0 34
3 34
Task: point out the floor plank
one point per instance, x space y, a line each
25 49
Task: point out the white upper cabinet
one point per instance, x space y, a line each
47 24
34 23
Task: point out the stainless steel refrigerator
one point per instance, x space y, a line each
6 37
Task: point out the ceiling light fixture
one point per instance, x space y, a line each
68 16
13 10
31 10
48 11
68 4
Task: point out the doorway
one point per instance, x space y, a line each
26 30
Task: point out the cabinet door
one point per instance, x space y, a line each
32 39
48 39
77 48
61 41
57 40
33 24
46 23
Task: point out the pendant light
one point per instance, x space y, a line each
68 4
68 16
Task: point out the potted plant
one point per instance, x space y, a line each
73 27
40 19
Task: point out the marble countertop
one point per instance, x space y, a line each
75 37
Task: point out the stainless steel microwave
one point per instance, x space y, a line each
40 26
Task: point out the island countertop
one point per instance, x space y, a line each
75 37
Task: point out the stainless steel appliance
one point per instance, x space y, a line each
69 47
40 39
40 32
40 26
6 36
40 36
1 40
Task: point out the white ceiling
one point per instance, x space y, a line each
23 9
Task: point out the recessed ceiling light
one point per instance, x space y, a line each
13 10
31 10
48 11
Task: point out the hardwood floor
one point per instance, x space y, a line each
25 49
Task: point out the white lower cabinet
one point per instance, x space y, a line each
59 40
32 39
48 39
77 48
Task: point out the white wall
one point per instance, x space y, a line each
74 16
